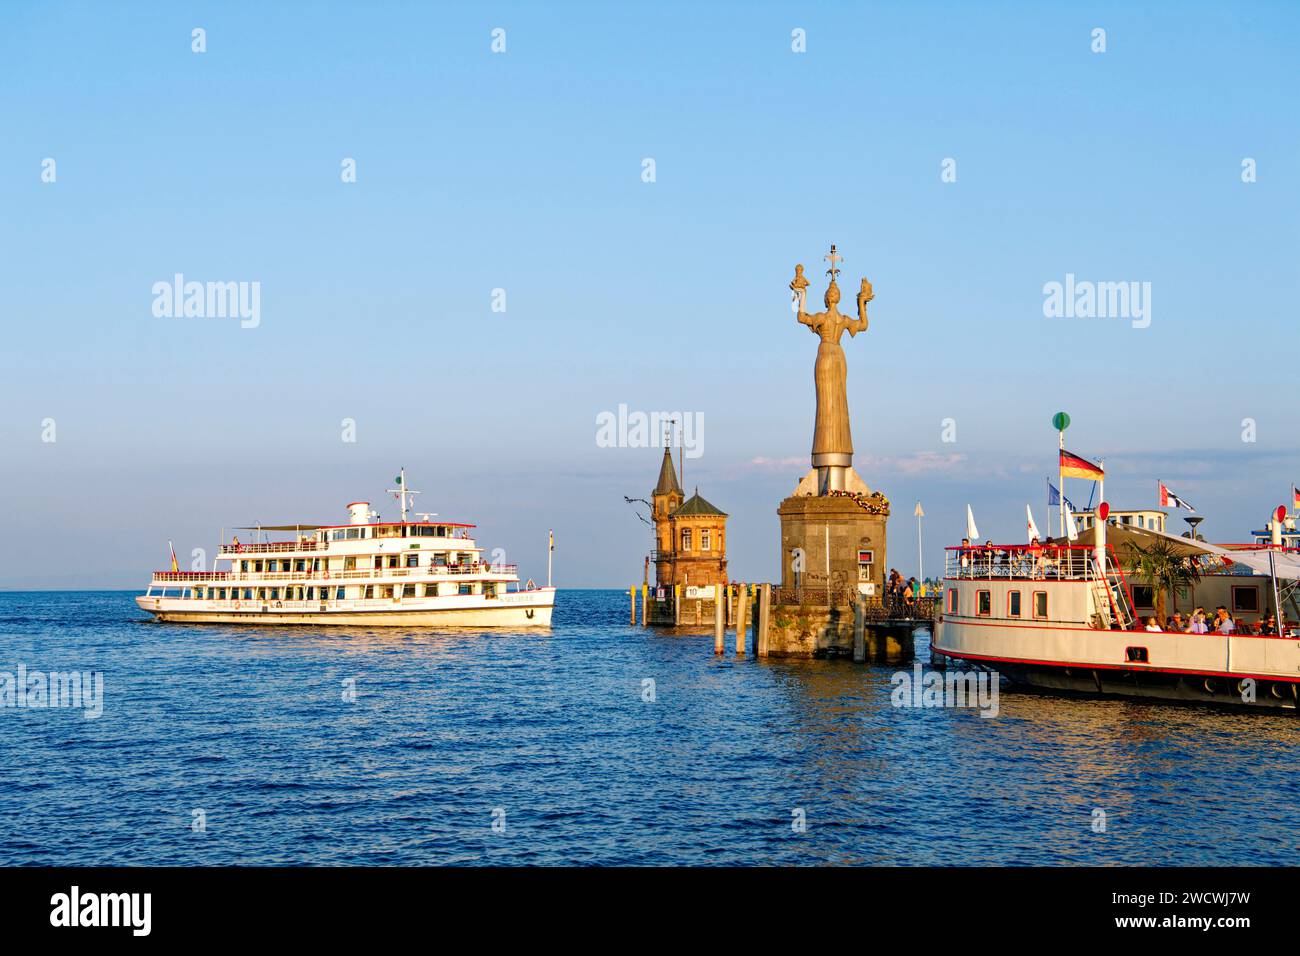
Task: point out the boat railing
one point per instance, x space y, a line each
273 547
1055 562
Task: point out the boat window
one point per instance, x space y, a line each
983 603
1144 596
370 591
1245 598
952 600
465 589
350 563
412 560
1040 605
1013 604
339 594
408 590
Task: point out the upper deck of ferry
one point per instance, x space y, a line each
320 537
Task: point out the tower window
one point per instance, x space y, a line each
704 540
686 539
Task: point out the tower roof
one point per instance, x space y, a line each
695 505
667 476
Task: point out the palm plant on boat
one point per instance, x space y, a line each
1162 565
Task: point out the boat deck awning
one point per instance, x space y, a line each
1261 560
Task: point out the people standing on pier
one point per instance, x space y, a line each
895 584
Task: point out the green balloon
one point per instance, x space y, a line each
1060 421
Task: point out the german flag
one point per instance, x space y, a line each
1072 466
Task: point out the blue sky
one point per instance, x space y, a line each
522 171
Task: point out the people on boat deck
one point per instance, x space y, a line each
1269 624
1223 623
1152 624
1175 623
1198 625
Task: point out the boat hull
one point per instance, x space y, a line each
1180 667
516 609
1153 685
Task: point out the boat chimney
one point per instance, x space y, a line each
359 512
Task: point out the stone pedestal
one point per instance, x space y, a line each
833 549
822 539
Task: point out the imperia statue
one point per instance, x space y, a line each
832 447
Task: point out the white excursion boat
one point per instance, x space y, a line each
366 572
1062 617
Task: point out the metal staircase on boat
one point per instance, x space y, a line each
1109 598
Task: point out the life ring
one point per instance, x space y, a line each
325 575
237 605
530 586
278 604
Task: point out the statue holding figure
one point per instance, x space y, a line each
832 448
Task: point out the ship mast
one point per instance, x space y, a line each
402 493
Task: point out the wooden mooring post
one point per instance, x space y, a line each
632 594
859 629
742 618
764 616
645 605
719 622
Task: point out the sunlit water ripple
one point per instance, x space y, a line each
250 725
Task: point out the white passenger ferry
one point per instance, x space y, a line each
366 572
1066 617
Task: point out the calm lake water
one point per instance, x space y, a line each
550 732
